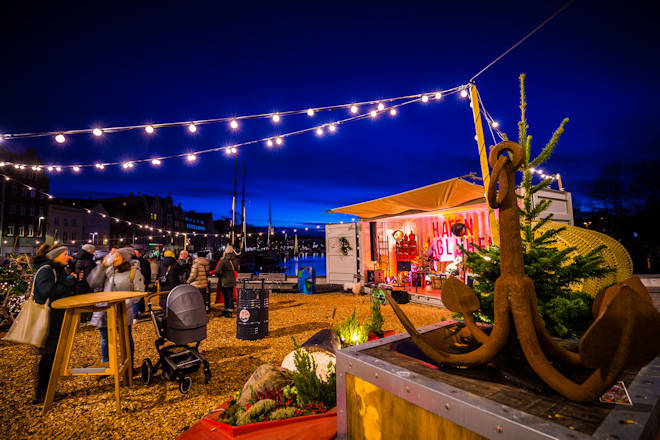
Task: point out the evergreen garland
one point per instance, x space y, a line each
566 312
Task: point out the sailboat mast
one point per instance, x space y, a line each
244 235
233 204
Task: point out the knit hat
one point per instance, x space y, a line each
54 253
127 253
89 248
168 254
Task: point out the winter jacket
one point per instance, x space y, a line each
174 275
52 283
186 266
84 263
109 279
198 273
225 270
145 268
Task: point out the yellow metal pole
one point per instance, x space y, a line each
561 187
483 158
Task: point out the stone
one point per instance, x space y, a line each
322 358
265 377
326 339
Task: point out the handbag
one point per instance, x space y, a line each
163 278
32 323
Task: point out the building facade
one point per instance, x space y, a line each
23 204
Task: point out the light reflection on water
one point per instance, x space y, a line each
294 264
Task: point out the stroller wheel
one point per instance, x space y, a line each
207 377
185 384
147 371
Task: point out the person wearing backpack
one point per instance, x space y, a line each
170 275
117 272
199 279
225 271
50 283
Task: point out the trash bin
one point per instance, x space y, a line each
252 313
307 280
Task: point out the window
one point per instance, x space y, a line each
10 229
41 211
33 193
64 236
12 209
21 231
56 220
21 210
31 211
74 222
30 231
65 222
73 236
23 191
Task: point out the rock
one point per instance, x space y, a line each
265 377
326 339
320 356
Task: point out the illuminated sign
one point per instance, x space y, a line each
445 246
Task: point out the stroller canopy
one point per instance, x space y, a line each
185 308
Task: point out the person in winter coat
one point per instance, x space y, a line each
84 263
186 263
225 271
145 268
117 272
170 275
199 278
50 283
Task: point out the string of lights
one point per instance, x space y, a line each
270 141
233 121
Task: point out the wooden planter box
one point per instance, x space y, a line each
312 427
386 333
383 393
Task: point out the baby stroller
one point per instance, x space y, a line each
184 323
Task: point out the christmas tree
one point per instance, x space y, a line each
566 312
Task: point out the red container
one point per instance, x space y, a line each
372 336
313 427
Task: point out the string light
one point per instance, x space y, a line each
278 140
191 158
100 166
97 132
234 124
464 93
76 169
438 95
58 169
495 124
149 129
425 98
269 142
393 112
60 138
155 162
127 165
192 128
332 128
276 118
373 113
381 106
310 112
319 131
354 109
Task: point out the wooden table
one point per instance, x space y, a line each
120 363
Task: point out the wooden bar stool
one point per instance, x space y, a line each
120 363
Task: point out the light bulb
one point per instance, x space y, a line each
192 128
234 124
97 132
495 124
155 161
149 129
278 141
310 112
438 95
476 138
22 167
533 170
234 150
100 166
332 128
269 142
381 106
76 169
354 109
319 131
50 168
276 118
60 138
464 93
373 113
425 98
471 104
17 166
393 112
191 158
58 169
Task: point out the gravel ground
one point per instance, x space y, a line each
159 411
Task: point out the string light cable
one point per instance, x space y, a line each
270 141
60 135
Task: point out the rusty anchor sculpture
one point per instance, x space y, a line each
626 328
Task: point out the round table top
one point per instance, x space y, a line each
89 299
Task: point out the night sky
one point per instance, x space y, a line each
109 63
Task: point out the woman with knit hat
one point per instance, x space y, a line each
117 272
50 283
226 273
169 275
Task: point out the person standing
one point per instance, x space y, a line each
199 279
225 271
118 272
84 263
50 283
170 274
145 268
186 264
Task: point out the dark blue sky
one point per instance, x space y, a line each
77 66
